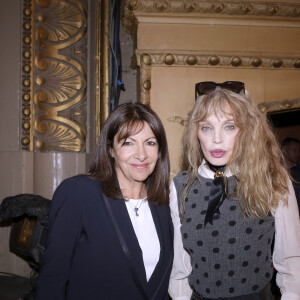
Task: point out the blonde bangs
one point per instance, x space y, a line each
220 102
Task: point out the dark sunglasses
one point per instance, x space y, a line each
204 87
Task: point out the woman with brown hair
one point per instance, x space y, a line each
110 232
226 206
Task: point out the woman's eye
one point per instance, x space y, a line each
126 143
229 127
151 143
205 128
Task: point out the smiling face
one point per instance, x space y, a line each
135 156
217 135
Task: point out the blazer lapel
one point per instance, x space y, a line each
122 218
165 234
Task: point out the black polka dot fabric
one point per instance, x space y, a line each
216 217
218 283
199 226
231 241
248 230
200 243
231 257
230 273
245 264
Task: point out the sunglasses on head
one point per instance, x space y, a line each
204 87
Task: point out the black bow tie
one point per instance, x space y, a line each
217 193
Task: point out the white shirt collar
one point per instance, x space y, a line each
207 173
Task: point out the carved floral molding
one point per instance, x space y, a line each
54 75
234 8
147 60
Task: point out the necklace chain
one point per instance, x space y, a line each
137 206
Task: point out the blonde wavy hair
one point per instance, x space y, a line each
256 161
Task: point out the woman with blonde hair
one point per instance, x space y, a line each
234 194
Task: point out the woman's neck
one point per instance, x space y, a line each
134 191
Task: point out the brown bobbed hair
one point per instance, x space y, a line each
126 120
257 160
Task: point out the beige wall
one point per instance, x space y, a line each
172 94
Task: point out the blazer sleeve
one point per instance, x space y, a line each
64 231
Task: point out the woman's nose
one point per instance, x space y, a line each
141 153
217 136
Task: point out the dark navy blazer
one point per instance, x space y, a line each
83 259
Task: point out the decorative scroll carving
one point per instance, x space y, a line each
147 60
178 119
59 83
225 7
267 107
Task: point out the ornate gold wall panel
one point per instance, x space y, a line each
55 67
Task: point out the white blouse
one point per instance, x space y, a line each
286 255
145 232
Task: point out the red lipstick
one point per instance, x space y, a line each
217 153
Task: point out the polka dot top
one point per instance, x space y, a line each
232 257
